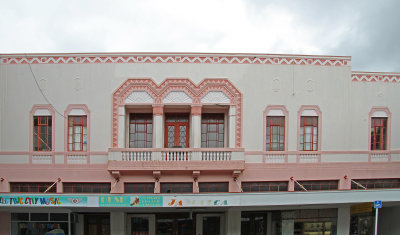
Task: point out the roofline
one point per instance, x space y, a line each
171 53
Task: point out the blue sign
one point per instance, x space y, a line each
377 204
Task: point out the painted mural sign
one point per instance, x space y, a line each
208 201
130 201
46 201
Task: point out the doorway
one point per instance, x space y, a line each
175 224
209 224
141 224
97 224
176 131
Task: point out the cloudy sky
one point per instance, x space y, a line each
367 30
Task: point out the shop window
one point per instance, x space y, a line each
318 185
31 187
176 187
77 133
378 133
212 130
39 223
376 183
264 186
139 187
140 130
87 187
214 187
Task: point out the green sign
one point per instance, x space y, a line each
130 201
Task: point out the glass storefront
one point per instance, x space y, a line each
39 223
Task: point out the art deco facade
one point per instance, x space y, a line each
197 144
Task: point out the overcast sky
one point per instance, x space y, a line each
367 30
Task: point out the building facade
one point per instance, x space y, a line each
191 143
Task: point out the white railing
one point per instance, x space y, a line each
275 158
308 158
379 157
176 156
136 156
42 159
216 156
77 159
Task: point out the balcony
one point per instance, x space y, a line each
175 159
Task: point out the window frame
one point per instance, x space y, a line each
309 111
90 184
380 112
133 184
180 184
83 139
268 184
31 185
271 111
207 123
33 111
306 183
130 119
74 110
219 185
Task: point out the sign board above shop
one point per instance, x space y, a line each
43 201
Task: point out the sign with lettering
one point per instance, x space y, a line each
206 201
130 201
44 201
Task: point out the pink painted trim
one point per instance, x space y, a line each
375 77
195 58
177 84
265 114
323 152
318 110
388 131
31 115
196 110
66 114
176 150
158 110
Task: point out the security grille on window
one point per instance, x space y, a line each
309 133
378 133
77 133
214 187
275 133
87 187
264 186
376 183
317 185
212 130
42 133
141 131
28 187
139 187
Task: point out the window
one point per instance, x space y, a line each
378 133
214 187
31 187
176 187
317 185
212 130
264 186
77 133
140 130
309 133
376 183
139 187
87 187
275 139
42 133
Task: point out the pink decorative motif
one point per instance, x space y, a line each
179 58
375 77
158 92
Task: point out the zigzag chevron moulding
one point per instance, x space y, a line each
375 77
169 58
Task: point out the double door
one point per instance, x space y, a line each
176 131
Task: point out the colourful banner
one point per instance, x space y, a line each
130 201
30 200
200 201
